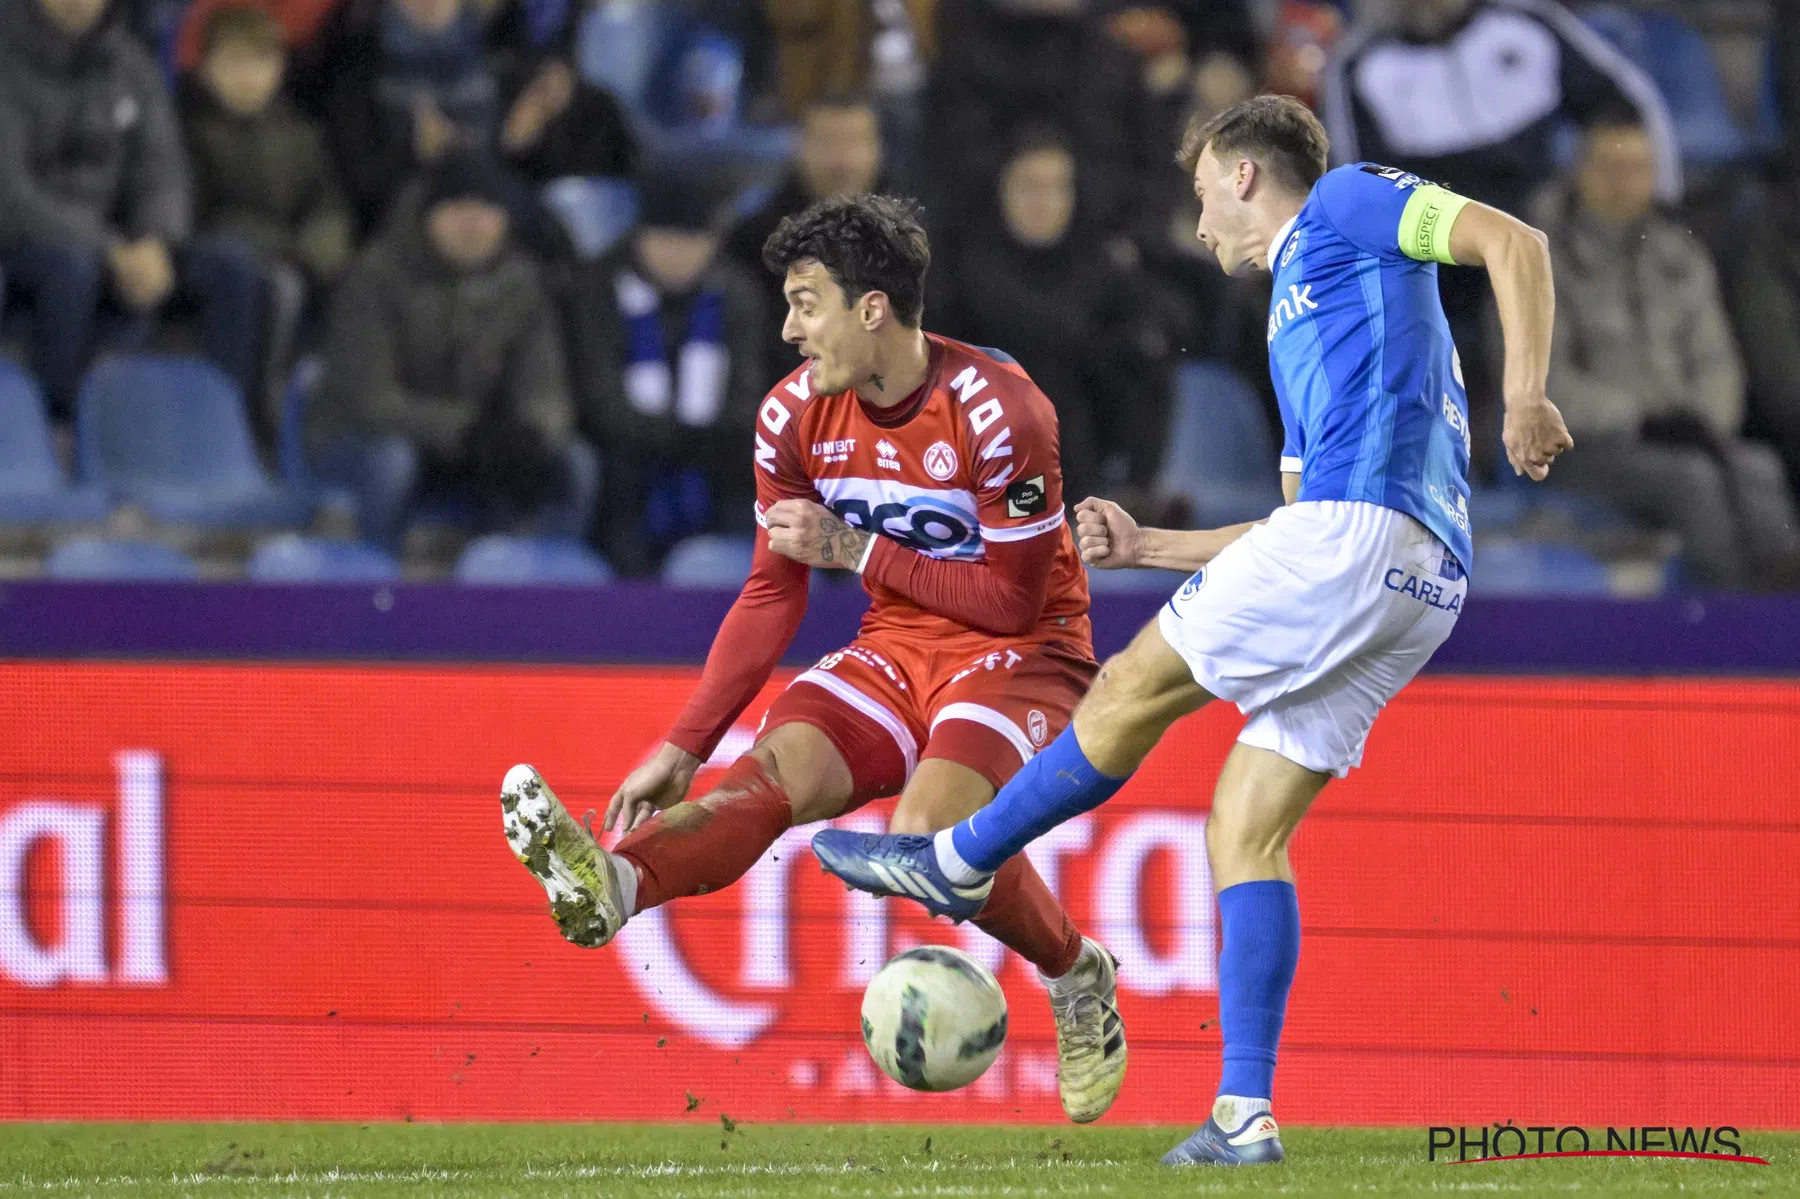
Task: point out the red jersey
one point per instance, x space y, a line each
963 484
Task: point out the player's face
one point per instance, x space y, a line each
1225 226
825 329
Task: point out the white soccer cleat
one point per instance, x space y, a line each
580 877
1090 1036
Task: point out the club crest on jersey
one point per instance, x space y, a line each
1037 726
886 456
940 461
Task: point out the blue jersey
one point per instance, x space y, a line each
1371 392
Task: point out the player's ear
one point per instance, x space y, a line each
874 310
1247 176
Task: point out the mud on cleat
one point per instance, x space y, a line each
1256 1142
574 871
901 865
1090 1035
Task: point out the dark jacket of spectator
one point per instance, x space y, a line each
826 47
419 348
554 123
613 293
395 97
1003 67
268 180
91 150
670 350
1473 101
1039 285
1762 289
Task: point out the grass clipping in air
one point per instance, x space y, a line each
728 1157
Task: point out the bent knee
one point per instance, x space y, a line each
808 769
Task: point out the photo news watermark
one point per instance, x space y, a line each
1504 1142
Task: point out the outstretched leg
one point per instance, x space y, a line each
1139 693
1022 914
794 774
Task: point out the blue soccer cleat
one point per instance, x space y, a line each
1256 1142
899 864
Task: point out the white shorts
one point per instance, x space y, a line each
1312 621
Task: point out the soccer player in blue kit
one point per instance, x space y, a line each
1311 620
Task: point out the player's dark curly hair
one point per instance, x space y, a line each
865 243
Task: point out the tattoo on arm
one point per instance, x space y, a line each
839 543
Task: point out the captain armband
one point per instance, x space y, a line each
1425 225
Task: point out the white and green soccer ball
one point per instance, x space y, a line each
934 1019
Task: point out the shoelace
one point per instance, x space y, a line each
1080 1028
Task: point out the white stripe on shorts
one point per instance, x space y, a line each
873 709
993 720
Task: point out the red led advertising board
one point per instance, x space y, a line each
249 891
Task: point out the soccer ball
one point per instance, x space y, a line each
934 1019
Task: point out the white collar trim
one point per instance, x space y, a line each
1281 237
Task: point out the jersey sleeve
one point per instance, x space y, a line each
1390 212
780 468
1017 468
757 630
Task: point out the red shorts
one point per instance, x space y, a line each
888 704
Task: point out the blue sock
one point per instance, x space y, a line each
1057 785
1260 922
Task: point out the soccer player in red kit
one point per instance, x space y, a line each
930 468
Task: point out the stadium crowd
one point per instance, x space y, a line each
495 264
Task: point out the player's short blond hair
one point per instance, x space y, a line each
1278 133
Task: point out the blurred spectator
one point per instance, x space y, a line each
840 154
298 20
260 169
883 48
405 81
1785 49
1647 375
94 206
1005 65
1472 94
555 125
444 370
1762 289
1038 287
672 365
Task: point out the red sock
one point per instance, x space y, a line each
1022 915
701 846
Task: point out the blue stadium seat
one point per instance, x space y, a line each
32 487
1221 455
709 560
619 47
105 558
1677 58
1536 568
290 436
1136 582
528 561
292 558
1496 509
171 434
597 212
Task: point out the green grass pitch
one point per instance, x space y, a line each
744 1160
